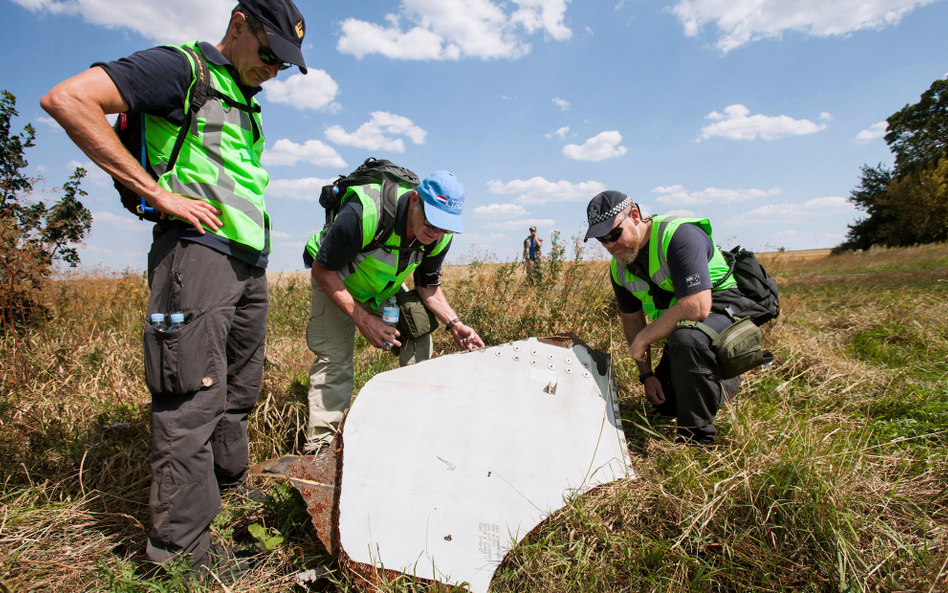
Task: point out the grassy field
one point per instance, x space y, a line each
831 472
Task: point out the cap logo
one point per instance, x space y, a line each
441 198
597 218
299 29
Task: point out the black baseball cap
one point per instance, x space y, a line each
284 25
602 211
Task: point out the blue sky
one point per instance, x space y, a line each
754 113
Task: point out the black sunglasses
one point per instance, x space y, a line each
613 235
269 58
424 219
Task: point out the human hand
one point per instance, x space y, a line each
653 391
466 337
377 332
639 349
196 212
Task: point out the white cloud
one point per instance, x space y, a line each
307 188
94 174
589 31
50 122
679 196
540 191
287 152
376 133
512 225
737 124
42 168
127 224
874 131
681 213
500 210
746 21
279 235
455 29
826 116
561 133
598 148
315 90
170 21
563 104
787 213
619 5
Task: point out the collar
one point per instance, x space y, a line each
214 56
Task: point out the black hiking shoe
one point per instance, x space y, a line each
226 565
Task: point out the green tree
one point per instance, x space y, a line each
921 200
918 134
870 197
33 235
907 204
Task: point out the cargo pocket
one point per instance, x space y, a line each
182 361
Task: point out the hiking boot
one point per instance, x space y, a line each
251 493
223 564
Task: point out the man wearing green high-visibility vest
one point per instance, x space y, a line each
209 255
350 285
667 269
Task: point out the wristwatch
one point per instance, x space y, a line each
645 376
451 324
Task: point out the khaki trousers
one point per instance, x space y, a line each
330 335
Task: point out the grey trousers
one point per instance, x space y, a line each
330 335
691 381
204 380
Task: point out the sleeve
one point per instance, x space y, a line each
343 240
429 272
689 252
154 81
628 303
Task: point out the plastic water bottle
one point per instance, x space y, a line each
157 321
390 315
177 321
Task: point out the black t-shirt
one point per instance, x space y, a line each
156 82
689 252
343 242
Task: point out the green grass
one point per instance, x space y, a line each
831 472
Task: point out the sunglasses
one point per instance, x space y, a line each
428 225
269 58
613 235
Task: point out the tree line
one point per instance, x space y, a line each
907 204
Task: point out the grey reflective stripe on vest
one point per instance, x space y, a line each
664 272
636 286
223 192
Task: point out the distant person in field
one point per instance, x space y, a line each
351 286
664 270
209 256
531 256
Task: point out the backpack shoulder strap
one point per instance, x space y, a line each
389 210
201 89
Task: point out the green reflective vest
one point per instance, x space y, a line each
373 275
663 227
221 163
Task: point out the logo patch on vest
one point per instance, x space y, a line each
693 280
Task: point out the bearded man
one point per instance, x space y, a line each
669 270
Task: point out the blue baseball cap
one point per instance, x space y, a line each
444 200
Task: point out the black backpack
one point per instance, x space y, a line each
130 129
754 283
390 175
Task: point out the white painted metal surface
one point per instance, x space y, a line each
448 463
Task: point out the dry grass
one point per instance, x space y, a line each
831 474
